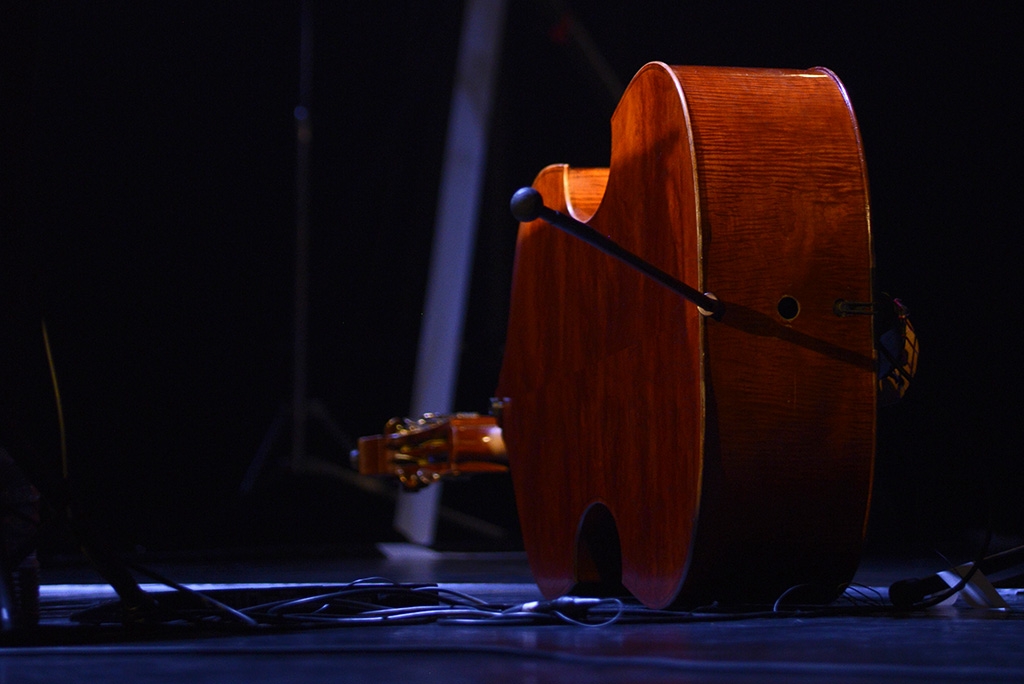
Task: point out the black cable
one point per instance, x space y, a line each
217 607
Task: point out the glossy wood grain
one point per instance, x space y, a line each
687 458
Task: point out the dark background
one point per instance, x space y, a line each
148 178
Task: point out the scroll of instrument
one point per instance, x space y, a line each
688 392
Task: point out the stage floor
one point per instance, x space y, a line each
946 643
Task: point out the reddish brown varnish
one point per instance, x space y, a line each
693 459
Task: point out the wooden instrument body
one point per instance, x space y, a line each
691 459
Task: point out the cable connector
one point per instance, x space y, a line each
563 604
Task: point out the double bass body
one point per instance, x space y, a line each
684 458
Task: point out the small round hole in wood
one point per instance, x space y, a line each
788 308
